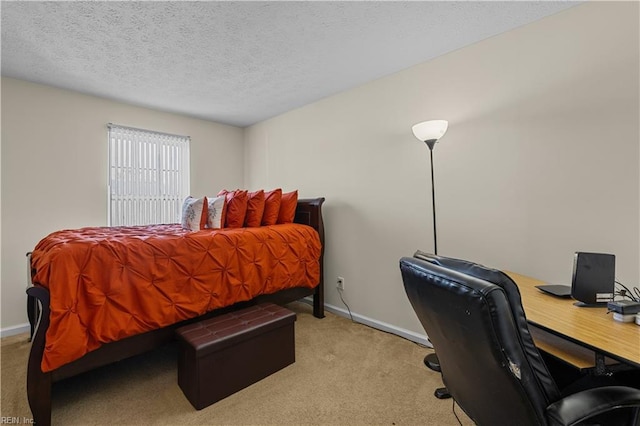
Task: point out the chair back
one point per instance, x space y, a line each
474 318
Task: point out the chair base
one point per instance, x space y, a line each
442 393
432 362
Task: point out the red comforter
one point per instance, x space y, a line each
110 283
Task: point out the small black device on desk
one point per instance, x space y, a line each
624 310
593 280
624 307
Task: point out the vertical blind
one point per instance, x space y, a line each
148 176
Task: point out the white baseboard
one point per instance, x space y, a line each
378 325
16 329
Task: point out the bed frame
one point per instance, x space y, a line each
308 212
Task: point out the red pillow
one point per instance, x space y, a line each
236 208
271 207
255 209
288 205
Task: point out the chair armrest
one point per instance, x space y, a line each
580 406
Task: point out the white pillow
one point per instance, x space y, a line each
214 212
194 215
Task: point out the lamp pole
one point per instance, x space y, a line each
431 143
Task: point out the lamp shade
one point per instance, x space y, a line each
431 130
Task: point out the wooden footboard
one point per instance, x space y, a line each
309 212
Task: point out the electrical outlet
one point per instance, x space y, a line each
340 283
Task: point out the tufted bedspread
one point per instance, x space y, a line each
110 283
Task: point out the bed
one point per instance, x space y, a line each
100 295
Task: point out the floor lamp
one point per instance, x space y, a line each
430 132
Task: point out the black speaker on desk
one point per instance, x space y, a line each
593 280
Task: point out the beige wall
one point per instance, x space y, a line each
54 168
540 160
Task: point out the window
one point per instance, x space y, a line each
148 176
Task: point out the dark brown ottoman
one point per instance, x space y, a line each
224 354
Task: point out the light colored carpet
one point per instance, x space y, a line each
345 374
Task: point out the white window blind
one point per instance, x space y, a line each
148 176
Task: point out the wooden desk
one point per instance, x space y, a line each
591 329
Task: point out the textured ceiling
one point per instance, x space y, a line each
238 62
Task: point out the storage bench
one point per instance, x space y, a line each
227 353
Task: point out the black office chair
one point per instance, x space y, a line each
487 357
